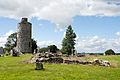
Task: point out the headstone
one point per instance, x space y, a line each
11 52
35 51
39 65
1 51
14 53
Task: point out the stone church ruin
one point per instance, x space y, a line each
24 40
24 45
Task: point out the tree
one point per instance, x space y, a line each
68 41
109 52
53 48
43 50
11 42
34 45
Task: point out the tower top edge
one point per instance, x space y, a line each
24 20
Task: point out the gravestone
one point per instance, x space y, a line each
1 51
14 53
39 65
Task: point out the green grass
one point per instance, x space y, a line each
13 68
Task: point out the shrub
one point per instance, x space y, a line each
109 52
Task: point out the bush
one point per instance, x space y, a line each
51 48
109 52
43 50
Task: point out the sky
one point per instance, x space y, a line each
95 22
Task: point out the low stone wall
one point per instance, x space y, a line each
59 60
55 60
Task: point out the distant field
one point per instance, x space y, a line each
13 68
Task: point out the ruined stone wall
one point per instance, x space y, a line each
24 42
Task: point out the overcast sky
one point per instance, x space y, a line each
96 22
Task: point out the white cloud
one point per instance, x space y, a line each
91 44
98 44
3 38
118 34
9 33
60 12
47 43
44 43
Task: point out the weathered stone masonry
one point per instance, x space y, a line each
24 41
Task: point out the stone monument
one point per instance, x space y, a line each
39 65
1 51
24 41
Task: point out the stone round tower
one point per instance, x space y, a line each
24 41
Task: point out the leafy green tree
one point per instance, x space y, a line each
11 42
43 50
109 52
53 48
34 45
68 41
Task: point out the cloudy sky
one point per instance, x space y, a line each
96 22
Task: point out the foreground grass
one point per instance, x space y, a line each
12 68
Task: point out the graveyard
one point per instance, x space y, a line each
15 68
60 40
24 61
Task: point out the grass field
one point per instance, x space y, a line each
13 68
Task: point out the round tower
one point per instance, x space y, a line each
24 41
